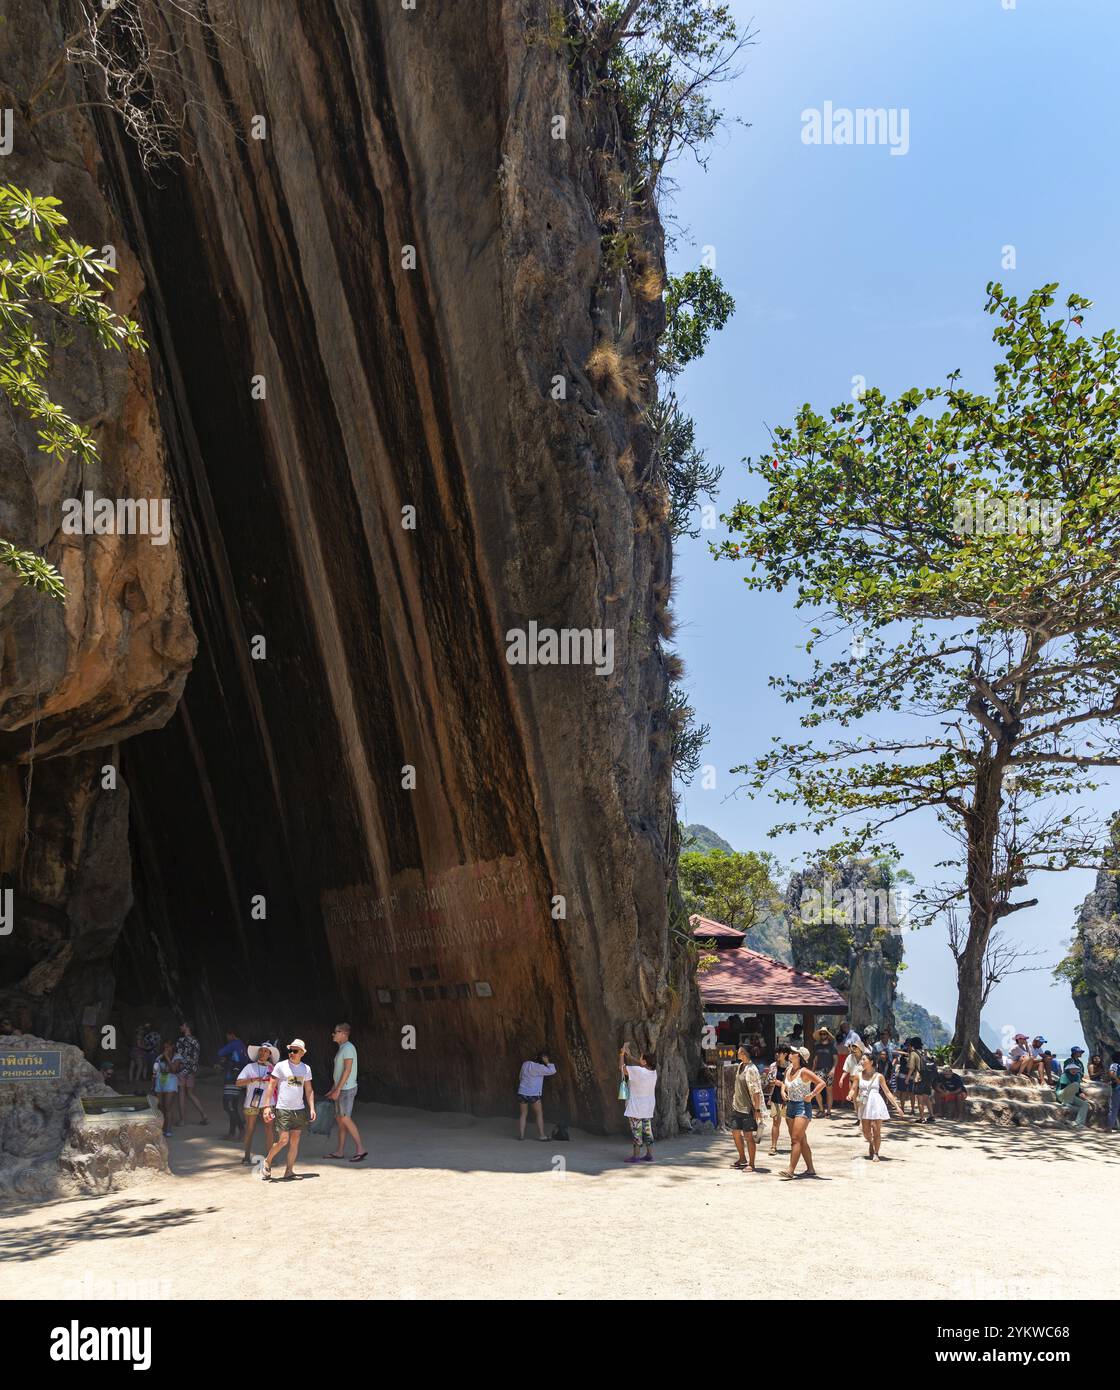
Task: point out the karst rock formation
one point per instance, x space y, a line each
1093 963
279 771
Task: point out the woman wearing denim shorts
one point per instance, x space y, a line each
799 1089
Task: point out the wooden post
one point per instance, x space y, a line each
808 1023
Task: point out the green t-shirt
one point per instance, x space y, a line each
346 1050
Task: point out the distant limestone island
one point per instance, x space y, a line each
814 951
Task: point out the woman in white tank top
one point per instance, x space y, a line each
874 1094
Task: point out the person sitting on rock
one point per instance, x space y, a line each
1069 1086
950 1093
1024 1062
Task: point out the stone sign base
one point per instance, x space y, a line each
49 1145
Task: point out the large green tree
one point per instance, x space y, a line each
48 284
969 560
736 889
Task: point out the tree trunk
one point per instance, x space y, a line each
982 826
966 1032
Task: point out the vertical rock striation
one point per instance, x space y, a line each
77 678
370 296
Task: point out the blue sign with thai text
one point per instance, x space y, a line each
30 1066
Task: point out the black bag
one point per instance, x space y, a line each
560 1131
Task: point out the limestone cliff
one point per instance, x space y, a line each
841 926
370 298
110 663
1092 966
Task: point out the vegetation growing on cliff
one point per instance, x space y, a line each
118 50
48 283
972 559
664 57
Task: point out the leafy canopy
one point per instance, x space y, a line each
696 306
48 283
988 625
736 889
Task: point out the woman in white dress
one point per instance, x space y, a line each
873 1099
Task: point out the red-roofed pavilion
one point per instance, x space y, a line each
757 987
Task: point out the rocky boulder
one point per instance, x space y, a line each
1002 1099
50 1147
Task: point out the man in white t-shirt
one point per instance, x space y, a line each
290 1084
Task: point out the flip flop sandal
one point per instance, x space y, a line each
334 1155
358 1157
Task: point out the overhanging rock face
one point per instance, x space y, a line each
370 298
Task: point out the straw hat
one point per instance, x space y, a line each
270 1053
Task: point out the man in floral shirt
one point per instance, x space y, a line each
187 1051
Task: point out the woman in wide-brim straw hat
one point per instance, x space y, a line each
799 1089
253 1080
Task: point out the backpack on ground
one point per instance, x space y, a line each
560 1131
323 1122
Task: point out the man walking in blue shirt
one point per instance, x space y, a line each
344 1092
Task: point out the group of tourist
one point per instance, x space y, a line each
174 1071
256 1087
788 1090
1031 1059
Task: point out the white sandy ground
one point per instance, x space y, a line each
451 1207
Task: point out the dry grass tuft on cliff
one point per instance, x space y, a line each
613 374
674 667
648 283
664 622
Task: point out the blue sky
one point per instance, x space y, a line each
848 260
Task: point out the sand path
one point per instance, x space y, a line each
451 1207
